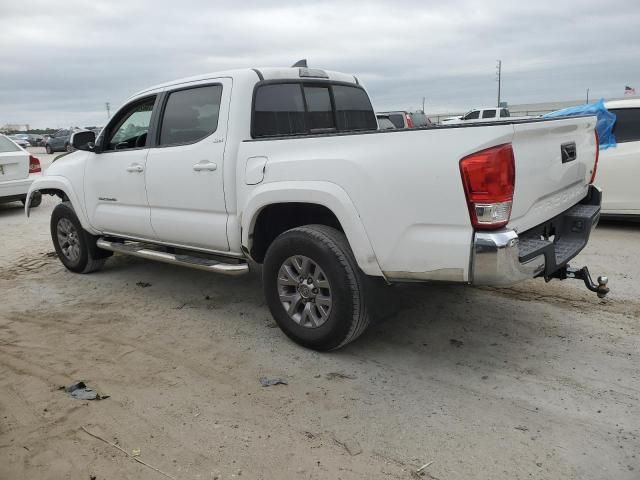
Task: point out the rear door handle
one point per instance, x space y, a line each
135 168
204 165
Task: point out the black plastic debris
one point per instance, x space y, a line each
143 284
81 391
268 382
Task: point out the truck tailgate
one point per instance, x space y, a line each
554 161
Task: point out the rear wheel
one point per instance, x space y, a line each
76 248
68 147
314 288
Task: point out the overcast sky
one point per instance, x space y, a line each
60 61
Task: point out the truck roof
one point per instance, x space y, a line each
626 103
256 74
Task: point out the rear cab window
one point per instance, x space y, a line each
627 126
292 108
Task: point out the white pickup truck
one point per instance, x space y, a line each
286 167
476 115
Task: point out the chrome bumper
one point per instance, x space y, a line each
503 258
495 260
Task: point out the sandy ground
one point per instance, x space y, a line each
539 381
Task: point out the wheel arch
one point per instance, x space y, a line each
62 188
288 205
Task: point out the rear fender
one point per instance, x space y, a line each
326 194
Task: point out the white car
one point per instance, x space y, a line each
288 169
619 167
18 169
490 114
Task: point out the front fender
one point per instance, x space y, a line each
56 182
326 194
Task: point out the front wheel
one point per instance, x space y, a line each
314 289
76 248
48 149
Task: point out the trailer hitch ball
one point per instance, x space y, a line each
583 274
602 286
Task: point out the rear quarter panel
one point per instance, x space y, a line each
405 187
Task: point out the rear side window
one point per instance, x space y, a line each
489 114
7 145
353 109
300 108
190 115
504 113
397 119
279 110
627 126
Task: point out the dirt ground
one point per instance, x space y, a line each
538 381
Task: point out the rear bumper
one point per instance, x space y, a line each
14 189
506 257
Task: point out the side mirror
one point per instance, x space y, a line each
84 141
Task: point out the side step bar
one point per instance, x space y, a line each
140 250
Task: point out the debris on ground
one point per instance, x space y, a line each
424 466
339 376
81 391
351 445
143 284
135 452
269 382
456 343
522 428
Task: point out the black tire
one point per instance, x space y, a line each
68 148
89 258
329 249
48 149
36 200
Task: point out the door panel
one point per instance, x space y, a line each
115 193
617 175
185 181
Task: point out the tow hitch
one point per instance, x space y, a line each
583 274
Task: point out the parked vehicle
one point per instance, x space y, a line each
403 119
17 171
20 141
384 122
491 114
60 141
619 167
34 140
289 170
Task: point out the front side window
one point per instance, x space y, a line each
130 130
489 114
472 115
627 126
191 115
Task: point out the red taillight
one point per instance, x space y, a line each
489 179
34 165
409 120
595 164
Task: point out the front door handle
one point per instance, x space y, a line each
135 168
204 165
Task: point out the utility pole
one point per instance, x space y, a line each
108 109
423 100
587 95
499 75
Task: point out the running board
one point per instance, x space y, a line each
140 250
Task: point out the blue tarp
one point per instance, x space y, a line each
604 125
